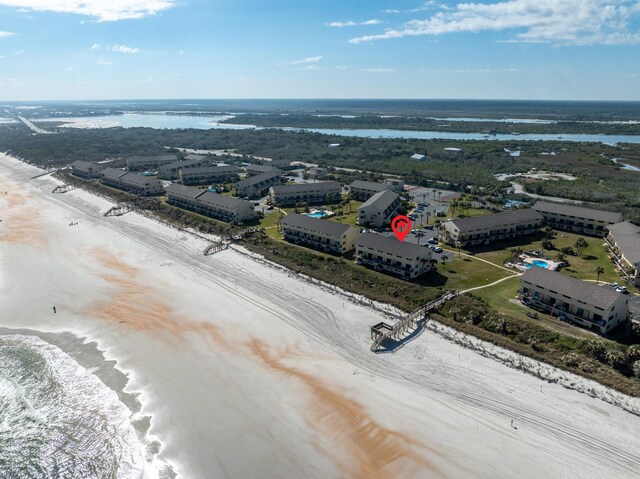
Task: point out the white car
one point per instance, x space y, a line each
437 249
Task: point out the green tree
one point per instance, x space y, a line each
599 270
580 245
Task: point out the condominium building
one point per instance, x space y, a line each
386 253
208 174
396 184
257 186
363 190
597 307
379 210
257 169
136 163
277 163
485 229
311 193
624 244
170 171
131 182
86 169
575 219
205 202
323 235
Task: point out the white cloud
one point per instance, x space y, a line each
96 46
103 10
560 22
122 49
342 24
5 34
351 23
471 70
307 60
102 61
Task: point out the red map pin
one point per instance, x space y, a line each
401 225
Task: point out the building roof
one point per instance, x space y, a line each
368 185
154 158
253 180
85 165
577 211
261 168
182 190
497 219
296 187
184 164
222 200
627 237
212 169
324 226
113 173
601 296
138 179
418 156
391 245
193 156
381 200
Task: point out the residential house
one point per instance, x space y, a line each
257 186
379 210
208 174
597 307
132 182
363 190
485 229
136 163
257 169
170 171
576 219
86 169
317 173
311 193
323 235
386 253
205 202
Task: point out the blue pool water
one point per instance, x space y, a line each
538 263
319 214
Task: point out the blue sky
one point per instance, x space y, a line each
509 49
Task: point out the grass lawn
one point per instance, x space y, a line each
468 213
582 267
462 273
348 217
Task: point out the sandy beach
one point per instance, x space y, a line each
236 369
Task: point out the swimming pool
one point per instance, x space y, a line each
317 214
537 262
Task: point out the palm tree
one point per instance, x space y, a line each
428 215
515 253
548 232
599 270
580 245
419 234
444 259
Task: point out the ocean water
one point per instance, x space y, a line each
58 421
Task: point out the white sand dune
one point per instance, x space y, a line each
249 372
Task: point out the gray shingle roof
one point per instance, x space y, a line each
296 187
252 180
261 168
391 244
85 165
497 219
601 296
578 212
182 164
138 179
627 237
142 159
325 226
381 200
188 191
368 185
112 173
226 169
222 200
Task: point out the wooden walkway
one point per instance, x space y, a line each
63 188
382 331
118 210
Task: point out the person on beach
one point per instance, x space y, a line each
54 310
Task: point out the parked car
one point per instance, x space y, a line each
437 249
613 285
430 246
270 207
432 241
428 227
622 289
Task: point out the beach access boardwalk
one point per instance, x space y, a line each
382 331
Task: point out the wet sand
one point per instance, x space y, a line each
244 371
